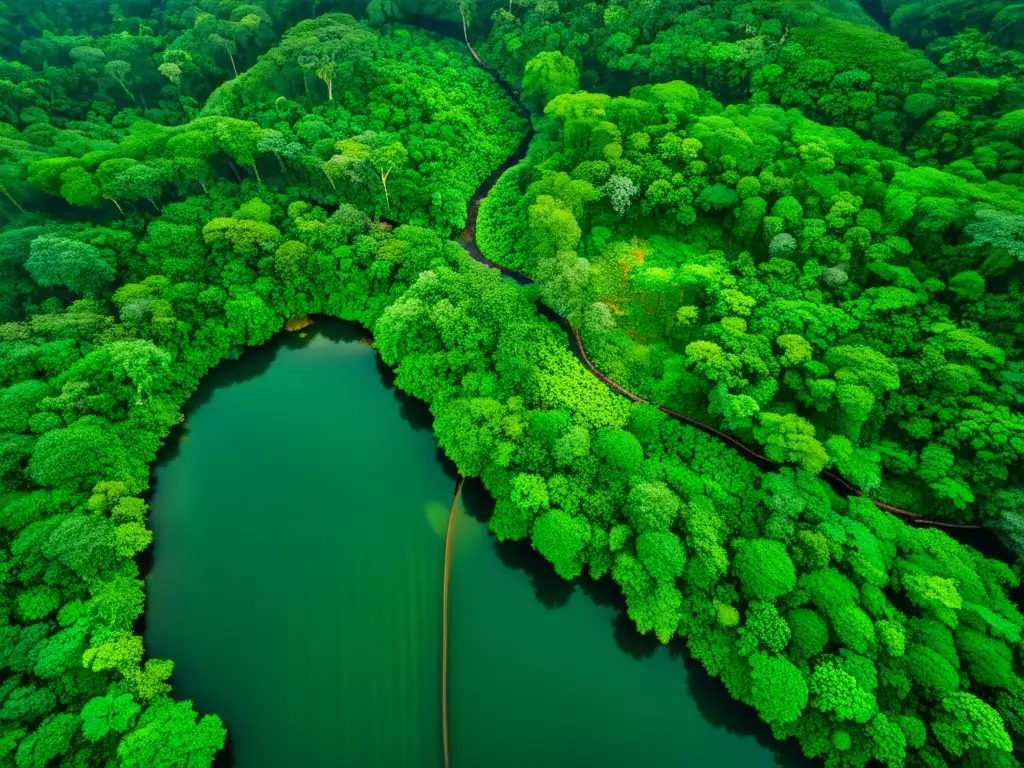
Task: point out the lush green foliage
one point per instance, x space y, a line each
814 292
829 298
827 59
973 39
387 140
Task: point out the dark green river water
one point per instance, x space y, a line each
296 582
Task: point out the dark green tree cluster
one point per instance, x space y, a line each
387 140
836 67
977 39
100 66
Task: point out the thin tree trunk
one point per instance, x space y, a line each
257 172
205 190
11 198
281 163
125 89
330 90
234 170
155 206
233 63
465 36
117 204
384 183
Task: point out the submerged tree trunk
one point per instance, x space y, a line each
11 198
448 546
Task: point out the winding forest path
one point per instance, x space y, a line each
467 239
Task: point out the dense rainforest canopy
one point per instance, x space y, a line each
799 222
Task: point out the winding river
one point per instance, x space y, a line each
298 524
